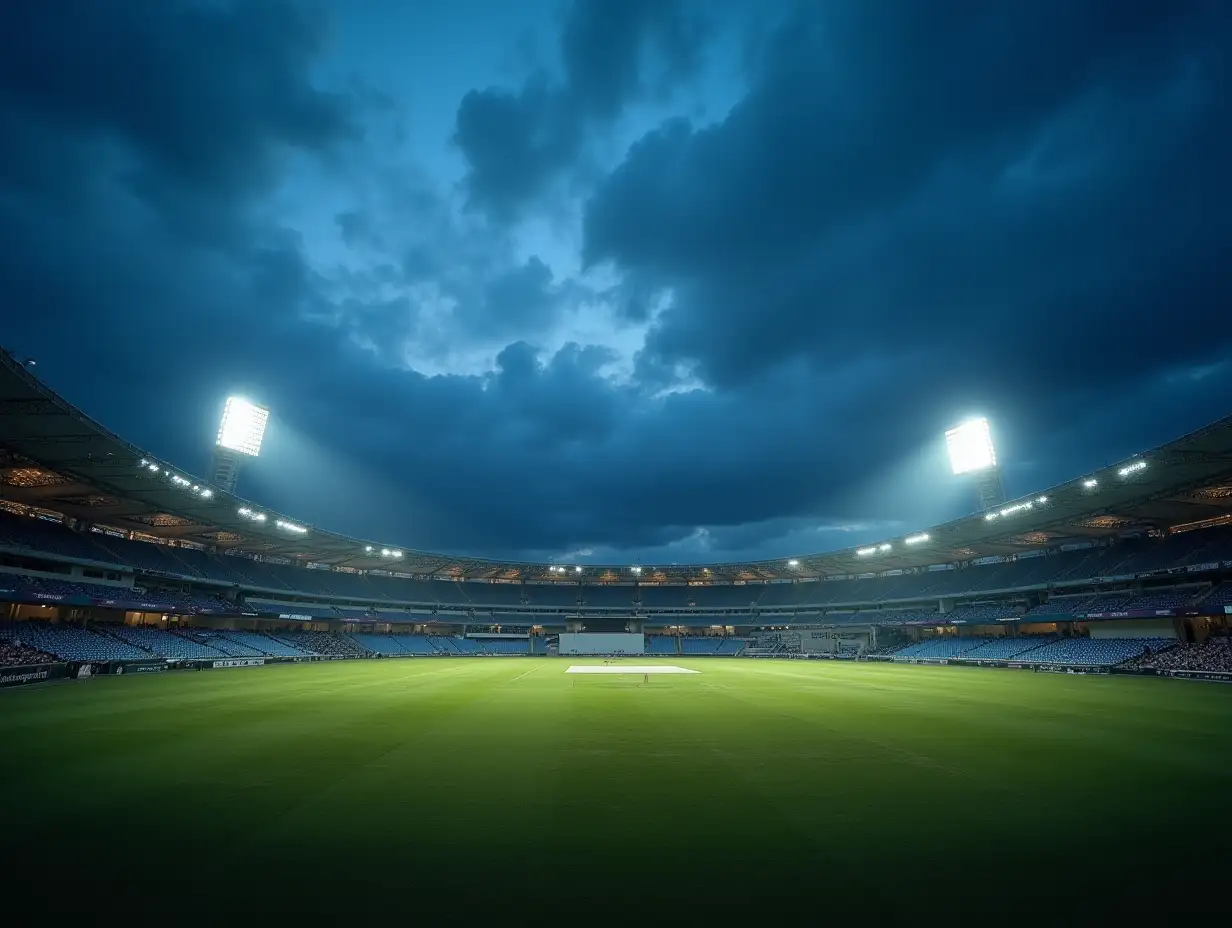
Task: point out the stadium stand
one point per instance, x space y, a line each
164 643
694 645
503 645
1094 652
263 644
940 648
325 644
73 643
1211 656
608 597
15 654
661 644
847 596
1006 648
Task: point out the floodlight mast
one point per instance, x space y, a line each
971 452
239 438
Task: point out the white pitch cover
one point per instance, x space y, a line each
630 668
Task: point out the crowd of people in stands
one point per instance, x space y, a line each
1211 656
13 654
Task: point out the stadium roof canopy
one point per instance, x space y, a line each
54 457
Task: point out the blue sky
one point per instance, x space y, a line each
638 280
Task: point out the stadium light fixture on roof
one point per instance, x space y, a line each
252 514
636 570
970 447
1132 468
578 569
390 552
865 552
243 426
368 549
793 563
291 527
1090 483
916 539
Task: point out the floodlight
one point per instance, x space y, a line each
793 563
916 539
1090 484
1131 468
577 570
243 426
865 552
970 447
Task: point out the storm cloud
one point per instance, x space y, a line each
737 337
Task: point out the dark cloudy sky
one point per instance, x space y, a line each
630 280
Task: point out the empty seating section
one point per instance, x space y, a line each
661 644
264 644
939 648
1216 599
71 643
984 612
312 610
164 643
667 597
741 596
1095 651
503 645
224 644
323 643
485 594
32 534
552 595
342 594
731 647
1007 648
1061 606
608 597
700 645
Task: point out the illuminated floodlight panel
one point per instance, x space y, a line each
243 426
970 447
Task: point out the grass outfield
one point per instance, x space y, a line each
404 785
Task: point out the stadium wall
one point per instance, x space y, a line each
584 643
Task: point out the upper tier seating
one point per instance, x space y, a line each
1124 559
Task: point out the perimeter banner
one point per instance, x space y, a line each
31 673
240 662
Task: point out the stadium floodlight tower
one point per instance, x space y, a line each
971 452
239 438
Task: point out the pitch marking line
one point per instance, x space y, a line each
525 673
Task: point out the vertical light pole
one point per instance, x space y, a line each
971 452
239 438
